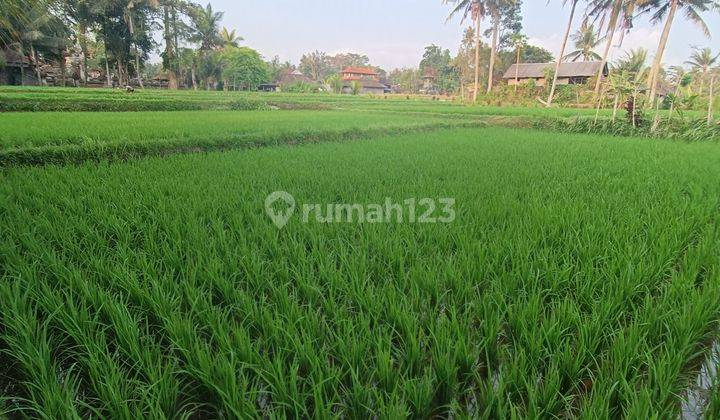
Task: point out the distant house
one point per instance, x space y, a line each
289 78
293 77
15 66
569 74
429 79
367 77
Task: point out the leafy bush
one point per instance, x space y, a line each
680 129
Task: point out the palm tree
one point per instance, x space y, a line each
616 8
476 9
519 41
496 9
562 50
206 23
701 61
586 39
130 15
206 32
633 62
678 77
666 9
230 38
40 29
711 96
169 34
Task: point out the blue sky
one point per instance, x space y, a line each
393 33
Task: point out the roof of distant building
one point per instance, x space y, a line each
360 70
537 70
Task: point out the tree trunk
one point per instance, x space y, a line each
137 68
34 55
192 77
107 72
655 70
477 58
562 53
169 53
703 76
672 104
493 52
612 28
62 68
711 100
517 69
615 107
22 66
82 39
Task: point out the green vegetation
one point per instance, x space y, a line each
42 138
579 278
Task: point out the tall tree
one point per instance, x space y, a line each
230 38
206 33
519 42
169 56
615 9
314 65
338 62
711 96
476 9
574 4
463 62
503 14
586 39
632 62
701 61
136 16
440 61
667 9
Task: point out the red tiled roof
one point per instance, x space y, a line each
360 70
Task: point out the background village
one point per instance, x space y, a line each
78 43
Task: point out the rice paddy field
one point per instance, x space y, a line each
579 278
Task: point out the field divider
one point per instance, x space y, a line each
118 150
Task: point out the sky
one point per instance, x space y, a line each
393 33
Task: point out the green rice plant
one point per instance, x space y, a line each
578 279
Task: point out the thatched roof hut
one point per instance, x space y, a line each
570 73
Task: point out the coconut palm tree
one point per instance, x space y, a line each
519 41
633 61
496 9
667 9
206 27
586 39
615 9
476 9
711 96
230 38
206 33
679 77
573 7
701 61
130 14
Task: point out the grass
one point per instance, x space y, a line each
579 278
57 137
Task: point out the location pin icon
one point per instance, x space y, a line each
280 218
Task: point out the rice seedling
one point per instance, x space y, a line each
579 277
40 138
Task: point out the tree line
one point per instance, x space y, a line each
603 22
117 37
